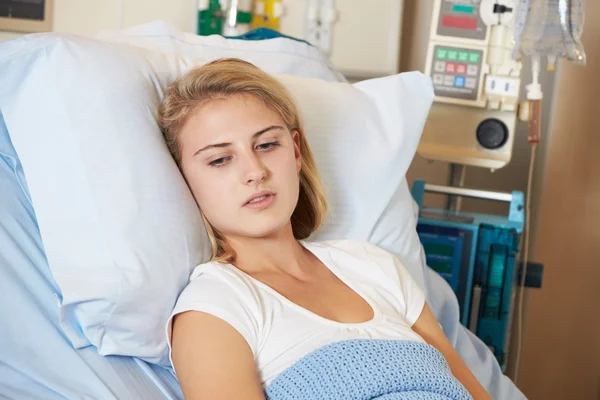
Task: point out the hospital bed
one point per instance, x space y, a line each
37 361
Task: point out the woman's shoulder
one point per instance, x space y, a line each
219 283
219 290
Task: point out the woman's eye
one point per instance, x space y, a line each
219 162
267 146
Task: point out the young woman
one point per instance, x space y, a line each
268 297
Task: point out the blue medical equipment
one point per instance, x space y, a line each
476 255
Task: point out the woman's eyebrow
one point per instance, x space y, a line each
267 129
254 136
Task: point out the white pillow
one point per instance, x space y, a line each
120 228
364 137
276 56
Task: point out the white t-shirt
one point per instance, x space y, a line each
280 332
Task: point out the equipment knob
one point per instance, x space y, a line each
492 133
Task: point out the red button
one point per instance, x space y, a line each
450 67
452 21
461 69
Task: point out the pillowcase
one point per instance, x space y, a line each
276 56
364 137
120 228
119 225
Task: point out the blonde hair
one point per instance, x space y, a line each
230 76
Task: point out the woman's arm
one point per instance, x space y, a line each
212 359
429 329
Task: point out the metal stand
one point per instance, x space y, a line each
456 179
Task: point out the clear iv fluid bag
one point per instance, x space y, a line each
549 28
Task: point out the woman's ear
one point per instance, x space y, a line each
297 153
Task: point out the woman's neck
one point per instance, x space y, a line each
277 253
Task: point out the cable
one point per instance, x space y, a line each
525 260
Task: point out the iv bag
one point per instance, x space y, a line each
549 28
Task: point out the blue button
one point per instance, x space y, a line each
459 81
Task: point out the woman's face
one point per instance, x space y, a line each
242 165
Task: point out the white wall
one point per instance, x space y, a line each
366 39
8 35
88 17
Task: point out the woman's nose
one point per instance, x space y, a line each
256 171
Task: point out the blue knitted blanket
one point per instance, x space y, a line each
369 369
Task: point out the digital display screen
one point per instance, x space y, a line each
22 9
461 8
453 21
461 19
440 267
439 249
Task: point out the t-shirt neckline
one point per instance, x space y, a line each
324 255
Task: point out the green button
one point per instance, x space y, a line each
452 55
441 53
462 9
474 57
463 55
